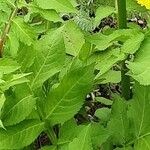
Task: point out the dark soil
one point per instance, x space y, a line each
41 141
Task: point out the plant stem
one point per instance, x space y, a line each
122 24
122 15
51 134
6 31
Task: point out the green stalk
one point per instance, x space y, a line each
122 24
6 30
51 134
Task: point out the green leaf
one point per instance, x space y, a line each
107 2
49 59
140 67
68 132
23 31
83 141
58 5
125 36
73 38
19 111
106 60
85 51
82 137
131 47
50 14
142 143
20 135
99 135
139 110
2 101
8 66
119 122
102 12
4 11
18 105
132 5
103 114
104 101
110 76
13 43
13 80
26 56
66 100
74 3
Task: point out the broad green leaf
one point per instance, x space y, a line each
34 114
107 2
2 101
13 80
26 56
125 36
65 101
73 38
8 66
50 14
69 63
90 137
21 135
58 5
62 147
9 2
103 114
74 3
85 51
139 110
4 6
142 143
104 101
19 111
4 11
132 5
101 41
106 60
69 131
18 105
23 31
83 140
49 59
102 12
85 137
99 135
140 67
109 77
13 44
131 47
119 122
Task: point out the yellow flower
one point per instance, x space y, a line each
145 3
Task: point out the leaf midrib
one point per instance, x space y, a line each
20 132
45 60
22 30
55 107
12 108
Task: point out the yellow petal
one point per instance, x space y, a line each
145 3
